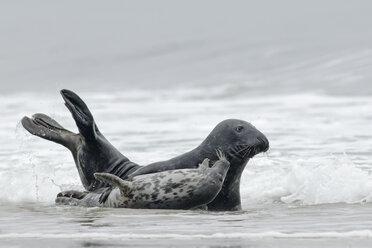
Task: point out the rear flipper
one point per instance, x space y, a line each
45 127
113 180
83 117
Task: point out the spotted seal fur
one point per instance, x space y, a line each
173 189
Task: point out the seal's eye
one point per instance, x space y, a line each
239 129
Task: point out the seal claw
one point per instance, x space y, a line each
221 155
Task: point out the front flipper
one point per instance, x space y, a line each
70 197
78 198
73 194
83 117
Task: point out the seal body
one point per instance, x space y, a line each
173 189
237 139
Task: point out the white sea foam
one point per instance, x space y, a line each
307 181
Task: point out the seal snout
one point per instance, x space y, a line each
260 144
263 143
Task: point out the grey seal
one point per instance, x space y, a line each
92 152
172 189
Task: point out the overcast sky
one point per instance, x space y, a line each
53 44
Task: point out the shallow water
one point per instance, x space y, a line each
269 226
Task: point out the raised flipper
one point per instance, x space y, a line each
83 117
123 185
91 151
45 127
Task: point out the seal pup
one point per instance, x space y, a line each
173 189
237 139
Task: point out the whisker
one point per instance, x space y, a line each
242 152
242 149
249 150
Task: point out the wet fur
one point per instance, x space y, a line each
93 153
176 189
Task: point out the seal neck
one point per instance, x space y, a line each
229 197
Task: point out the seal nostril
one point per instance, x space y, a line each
263 143
261 140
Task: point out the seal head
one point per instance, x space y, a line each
240 141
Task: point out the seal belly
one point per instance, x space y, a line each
115 199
